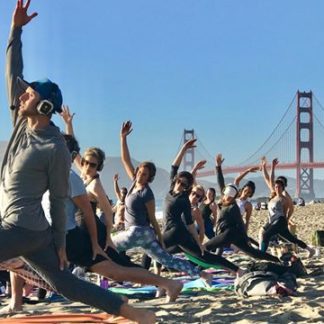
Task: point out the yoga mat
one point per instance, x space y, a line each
66 318
201 263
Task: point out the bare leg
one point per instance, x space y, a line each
118 273
15 304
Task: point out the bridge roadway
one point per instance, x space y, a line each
282 166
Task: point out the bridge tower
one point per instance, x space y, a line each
304 145
189 157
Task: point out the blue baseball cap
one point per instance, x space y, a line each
47 90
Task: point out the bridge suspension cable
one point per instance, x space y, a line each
270 136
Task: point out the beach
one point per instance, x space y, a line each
225 306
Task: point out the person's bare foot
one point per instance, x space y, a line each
207 277
161 292
173 291
10 310
138 315
240 273
124 299
147 317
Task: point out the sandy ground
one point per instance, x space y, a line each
225 306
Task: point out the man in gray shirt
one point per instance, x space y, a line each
37 160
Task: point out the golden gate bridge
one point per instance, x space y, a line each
292 138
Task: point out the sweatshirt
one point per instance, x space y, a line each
35 161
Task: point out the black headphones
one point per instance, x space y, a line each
100 165
45 107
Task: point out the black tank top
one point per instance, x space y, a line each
205 210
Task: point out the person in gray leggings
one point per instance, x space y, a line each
37 160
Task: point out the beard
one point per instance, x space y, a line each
27 112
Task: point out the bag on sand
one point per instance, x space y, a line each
318 238
260 283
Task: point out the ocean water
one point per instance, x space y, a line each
159 208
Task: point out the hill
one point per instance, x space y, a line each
161 182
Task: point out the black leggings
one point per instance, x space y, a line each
280 227
179 239
233 236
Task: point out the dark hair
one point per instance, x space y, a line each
151 168
72 144
97 153
281 183
213 191
251 185
123 190
284 180
188 176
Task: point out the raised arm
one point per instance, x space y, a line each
266 177
116 187
244 173
125 156
274 163
219 173
68 121
198 166
14 59
186 146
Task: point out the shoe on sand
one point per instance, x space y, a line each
311 252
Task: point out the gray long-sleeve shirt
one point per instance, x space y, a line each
35 161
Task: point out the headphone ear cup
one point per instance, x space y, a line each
45 107
100 166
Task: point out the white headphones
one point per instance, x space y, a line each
45 107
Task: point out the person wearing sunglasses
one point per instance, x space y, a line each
230 228
85 250
196 196
179 231
141 227
36 161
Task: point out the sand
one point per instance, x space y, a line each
225 306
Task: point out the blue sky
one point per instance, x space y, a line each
228 69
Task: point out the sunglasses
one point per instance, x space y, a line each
196 194
90 164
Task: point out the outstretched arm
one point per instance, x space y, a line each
219 173
125 156
14 59
83 203
98 191
244 173
186 146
